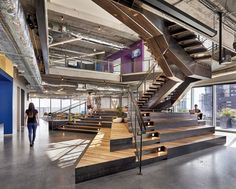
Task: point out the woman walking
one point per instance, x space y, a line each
32 120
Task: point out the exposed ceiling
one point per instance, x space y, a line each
72 37
70 86
79 29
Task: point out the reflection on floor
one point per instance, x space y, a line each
67 152
230 138
22 167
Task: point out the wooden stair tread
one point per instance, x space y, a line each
77 129
196 46
154 155
182 32
168 120
88 126
189 140
181 129
151 131
174 26
82 126
189 42
151 138
200 54
152 146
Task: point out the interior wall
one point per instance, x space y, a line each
130 64
18 84
6 105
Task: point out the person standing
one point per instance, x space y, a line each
32 120
90 103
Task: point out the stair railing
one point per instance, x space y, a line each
151 75
138 127
68 108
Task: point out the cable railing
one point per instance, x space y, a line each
138 127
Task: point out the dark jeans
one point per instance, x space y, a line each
32 128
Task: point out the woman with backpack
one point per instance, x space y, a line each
32 120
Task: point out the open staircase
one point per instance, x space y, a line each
183 60
177 50
90 124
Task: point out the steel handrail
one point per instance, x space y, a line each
72 106
142 127
148 74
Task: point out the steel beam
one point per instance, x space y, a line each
176 13
220 37
42 20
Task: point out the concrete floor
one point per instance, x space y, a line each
50 164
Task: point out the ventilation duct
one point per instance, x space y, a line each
15 38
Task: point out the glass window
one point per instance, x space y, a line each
202 96
105 102
55 104
185 103
225 101
76 109
65 103
44 106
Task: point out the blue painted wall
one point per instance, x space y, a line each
6 104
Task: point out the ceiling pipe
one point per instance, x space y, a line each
15 31
66 41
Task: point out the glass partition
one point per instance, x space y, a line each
44 107
203 97
226 106
55 105
65 103
185 103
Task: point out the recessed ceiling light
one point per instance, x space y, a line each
94 50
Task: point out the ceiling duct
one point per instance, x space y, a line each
15 38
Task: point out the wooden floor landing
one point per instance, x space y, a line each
99 149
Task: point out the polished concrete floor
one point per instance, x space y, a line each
50 164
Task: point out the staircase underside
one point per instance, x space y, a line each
177 50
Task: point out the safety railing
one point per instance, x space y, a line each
67 110
150 77
98 65
87 64
138 127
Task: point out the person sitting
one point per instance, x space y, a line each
197 112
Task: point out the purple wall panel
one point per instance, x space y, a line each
129 64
